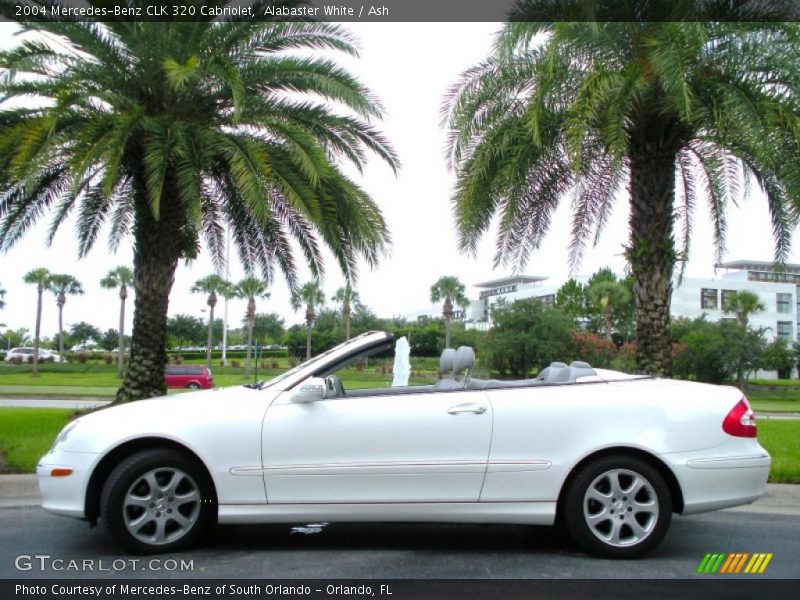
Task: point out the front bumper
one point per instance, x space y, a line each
65 495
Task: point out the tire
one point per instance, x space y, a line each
617 507
192 386
157 501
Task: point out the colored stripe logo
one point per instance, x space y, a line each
733 563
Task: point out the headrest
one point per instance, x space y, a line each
579 364
446 361
549 372
464 360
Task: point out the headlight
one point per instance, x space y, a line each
63 435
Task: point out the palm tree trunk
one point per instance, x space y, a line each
247 365
39 290
309 321
123 294
651 253
346 311
156 251
251 321
447 314
60 326
210 334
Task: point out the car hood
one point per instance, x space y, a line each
179 417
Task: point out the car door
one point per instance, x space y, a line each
409 446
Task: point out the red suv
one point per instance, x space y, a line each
189 376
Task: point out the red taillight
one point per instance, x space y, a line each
740 421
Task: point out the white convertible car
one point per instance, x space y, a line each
610 455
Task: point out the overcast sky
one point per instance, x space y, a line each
409 66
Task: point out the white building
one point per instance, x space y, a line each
778 291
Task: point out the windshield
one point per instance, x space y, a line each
312 361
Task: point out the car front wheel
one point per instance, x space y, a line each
618 507
157 501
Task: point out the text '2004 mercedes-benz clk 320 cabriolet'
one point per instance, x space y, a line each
609 455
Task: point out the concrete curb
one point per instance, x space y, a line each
22 491
18 491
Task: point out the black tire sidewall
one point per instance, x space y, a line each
573 507
123 476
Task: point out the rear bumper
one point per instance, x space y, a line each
720 480
65 495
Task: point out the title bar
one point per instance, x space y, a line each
402 10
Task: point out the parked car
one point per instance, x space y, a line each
189 376
26 354
610 455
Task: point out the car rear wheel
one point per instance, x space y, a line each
192 386
157 501
618 507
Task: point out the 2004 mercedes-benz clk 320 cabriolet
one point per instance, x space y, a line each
610 455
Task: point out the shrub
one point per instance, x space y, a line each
82 357
17 360
108 359
590 347
778 356
176 359
625 360
526 335
235 364
274 365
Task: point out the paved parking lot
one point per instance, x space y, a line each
399 551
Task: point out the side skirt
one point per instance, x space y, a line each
522 513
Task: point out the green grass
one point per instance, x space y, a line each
27 433
778 400
775 382
782 440
58 390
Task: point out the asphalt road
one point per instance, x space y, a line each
399 551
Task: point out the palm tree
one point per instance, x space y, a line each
742 304
451 290
677 111
174 131
211 284
312 297
609 295
346 296
121 278
63 285
40 278
2 297
249 289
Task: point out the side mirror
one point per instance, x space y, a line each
311 390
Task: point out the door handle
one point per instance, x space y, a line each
460 409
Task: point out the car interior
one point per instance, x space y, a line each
455 369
